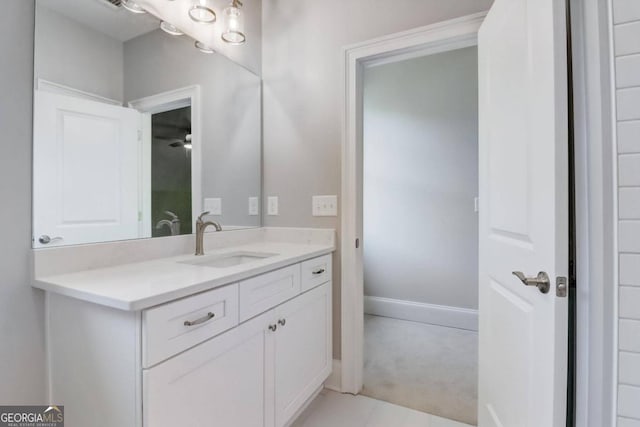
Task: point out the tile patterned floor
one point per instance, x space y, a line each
331 409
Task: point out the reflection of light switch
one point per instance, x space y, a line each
272 205
213 206
253 206
325 205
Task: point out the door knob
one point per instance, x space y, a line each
45 240
541 281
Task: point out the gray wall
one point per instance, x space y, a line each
231 114
74 55
22 353
302 71
626 30
420 179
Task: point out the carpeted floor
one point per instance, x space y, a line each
429 368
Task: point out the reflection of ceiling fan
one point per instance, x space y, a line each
176 142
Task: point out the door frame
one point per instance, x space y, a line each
440 37
159 103
595 193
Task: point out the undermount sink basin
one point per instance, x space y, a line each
228 260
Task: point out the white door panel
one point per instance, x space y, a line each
524 213
303 359
86 170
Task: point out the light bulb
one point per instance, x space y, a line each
203 47
132 6
169 28
233 29
202 13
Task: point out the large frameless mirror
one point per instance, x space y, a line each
136 131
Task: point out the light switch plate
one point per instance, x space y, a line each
272 205
213 206
325 205
254 207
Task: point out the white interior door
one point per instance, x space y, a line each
523 213
86 170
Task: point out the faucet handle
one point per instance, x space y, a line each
203 214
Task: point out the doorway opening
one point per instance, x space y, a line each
171 153
171 145
420 233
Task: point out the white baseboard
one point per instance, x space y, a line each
334 382
453 317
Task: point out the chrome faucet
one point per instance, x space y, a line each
201 226
173 223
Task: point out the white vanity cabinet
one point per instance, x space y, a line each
203 360
302 347
220 382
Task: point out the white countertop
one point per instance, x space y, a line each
142 285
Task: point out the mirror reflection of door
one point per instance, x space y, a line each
171 173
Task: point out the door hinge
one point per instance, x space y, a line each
561 287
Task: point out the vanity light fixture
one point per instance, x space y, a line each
132 6
169 28
233 29
203 47
202 13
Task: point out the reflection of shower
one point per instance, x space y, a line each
173 223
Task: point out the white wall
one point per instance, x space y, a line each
231 114
22 361
74 55
626 30
302 72
420 238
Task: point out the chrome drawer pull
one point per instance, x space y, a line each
315 273
206 318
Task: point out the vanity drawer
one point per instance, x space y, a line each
263 292
174 327
315 272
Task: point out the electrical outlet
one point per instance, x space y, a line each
325 205
213 206
272 205
254 207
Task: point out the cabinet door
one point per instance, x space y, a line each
221 382
302 350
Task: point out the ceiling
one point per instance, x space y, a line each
103 17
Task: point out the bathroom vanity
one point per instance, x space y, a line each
238 337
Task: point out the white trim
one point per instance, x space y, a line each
595 162
51 87
443 315
613 151
448 35
335 379
166 101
